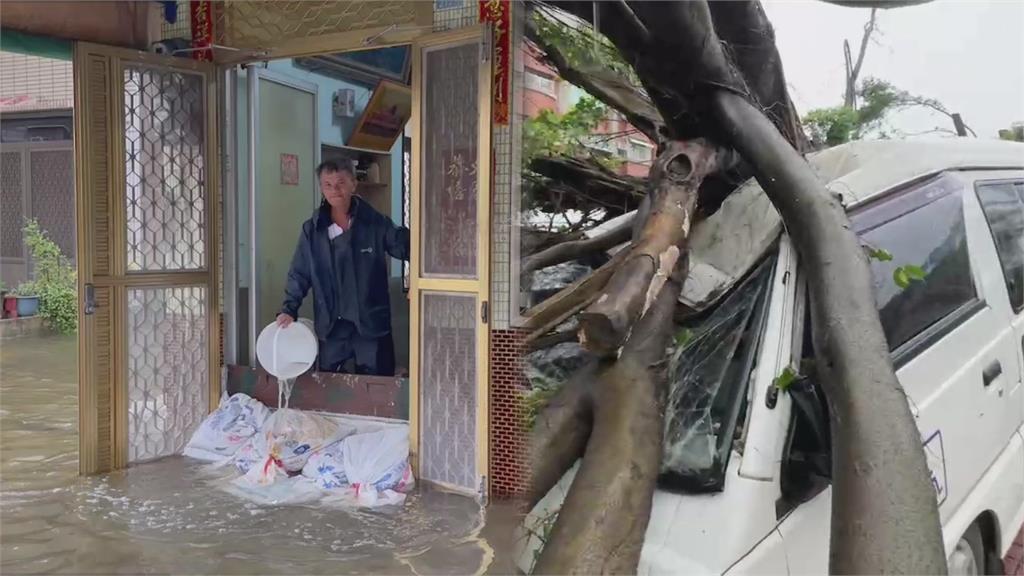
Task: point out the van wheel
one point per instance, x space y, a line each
968 557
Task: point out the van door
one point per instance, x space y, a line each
943 306
1002 203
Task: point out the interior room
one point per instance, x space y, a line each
290 115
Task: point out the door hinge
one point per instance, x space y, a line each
485 312
89 306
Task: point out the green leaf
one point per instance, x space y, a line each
908 273
880 254
901 278
785 380
915 272
683 337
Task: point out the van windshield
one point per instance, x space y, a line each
708 378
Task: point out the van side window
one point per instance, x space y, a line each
923 230
1003 205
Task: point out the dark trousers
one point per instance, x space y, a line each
346 351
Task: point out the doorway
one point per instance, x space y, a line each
436 182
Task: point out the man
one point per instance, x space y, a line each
342 255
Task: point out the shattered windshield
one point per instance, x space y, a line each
708 378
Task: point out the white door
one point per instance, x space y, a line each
949 331
1002 203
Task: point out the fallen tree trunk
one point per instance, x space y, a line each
602 522
600 528
884 515
679 171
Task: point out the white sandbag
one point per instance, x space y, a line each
228 428
325 467
288 439
377 461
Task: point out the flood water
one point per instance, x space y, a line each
166 517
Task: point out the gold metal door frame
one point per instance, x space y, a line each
479 286
100 195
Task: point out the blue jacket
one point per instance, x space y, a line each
373 237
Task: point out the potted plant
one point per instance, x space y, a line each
28 299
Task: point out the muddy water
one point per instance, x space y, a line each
166 517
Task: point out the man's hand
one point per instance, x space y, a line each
284 320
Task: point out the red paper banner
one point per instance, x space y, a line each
498 12
202 29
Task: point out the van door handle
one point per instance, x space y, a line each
991 372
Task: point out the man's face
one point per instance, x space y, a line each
337 187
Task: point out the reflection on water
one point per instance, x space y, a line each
166 517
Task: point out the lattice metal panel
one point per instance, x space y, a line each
453 14
168 370
501 225
450 144
166 178
181 27
34 83
246 24
448 389
11 207
53 195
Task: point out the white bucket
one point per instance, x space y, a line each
287 352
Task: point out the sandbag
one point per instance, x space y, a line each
233 424
376 462
325 467
289 438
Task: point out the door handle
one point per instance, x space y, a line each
89 306
991 372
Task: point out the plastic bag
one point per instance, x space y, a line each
377 461
232 425
325 467
289 438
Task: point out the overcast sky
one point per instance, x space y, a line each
969 54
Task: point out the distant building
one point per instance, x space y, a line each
38 180
544 90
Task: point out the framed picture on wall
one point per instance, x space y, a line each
384 118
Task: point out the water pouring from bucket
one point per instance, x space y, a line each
286 353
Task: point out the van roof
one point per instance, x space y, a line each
726 245
862 170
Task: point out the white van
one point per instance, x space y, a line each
744 485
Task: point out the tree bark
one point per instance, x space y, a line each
600 528
679 171
853 68
545 316
884 513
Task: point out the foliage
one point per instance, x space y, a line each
55 280
904 275
880 254
586 50
1013 134
534 401
785 380
841 124
551 134
832 126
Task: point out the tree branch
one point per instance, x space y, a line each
678 171
574 250
611 89
880 478
850 101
